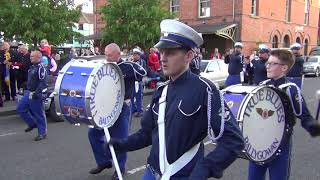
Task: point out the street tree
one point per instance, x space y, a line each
134 22
33 20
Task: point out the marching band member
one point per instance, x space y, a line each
258 64
196 62
235 67
32 101
181 114
131 72
137 106
278 65
295 73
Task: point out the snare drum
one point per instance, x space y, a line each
90 92
263 115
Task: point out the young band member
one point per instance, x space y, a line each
180 115
278 65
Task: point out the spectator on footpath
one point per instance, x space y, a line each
154 66
215 54
47 60
8 59
96 50
23 64
1 74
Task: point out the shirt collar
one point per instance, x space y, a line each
278 82
181 78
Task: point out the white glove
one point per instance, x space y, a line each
31 95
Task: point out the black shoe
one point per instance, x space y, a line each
30 128
99 169
40 137
115 175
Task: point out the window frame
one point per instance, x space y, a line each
254 8
208 7
175 6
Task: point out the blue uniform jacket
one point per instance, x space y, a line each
306 119
37 79
131 72
235 62
186 125
296 70
259 70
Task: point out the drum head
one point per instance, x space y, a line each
105 92
264 124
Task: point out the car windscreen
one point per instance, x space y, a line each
203 65
313 59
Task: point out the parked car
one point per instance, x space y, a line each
215 70
49 104
312 66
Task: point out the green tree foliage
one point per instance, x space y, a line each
134 22
33 20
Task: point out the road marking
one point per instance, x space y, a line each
140 168
8 134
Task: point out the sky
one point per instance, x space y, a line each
87 5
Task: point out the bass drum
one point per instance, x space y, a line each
262 115
90 92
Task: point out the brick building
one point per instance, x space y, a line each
277 23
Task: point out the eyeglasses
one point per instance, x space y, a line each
273 64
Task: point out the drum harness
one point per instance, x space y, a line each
286 87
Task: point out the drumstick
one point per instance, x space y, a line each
113 154
318 110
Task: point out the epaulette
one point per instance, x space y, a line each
208 83
264 82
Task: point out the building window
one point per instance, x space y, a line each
80 27
174 6
288 11
275 41
204 8
286 41
254 9
298 40
306 44
306 12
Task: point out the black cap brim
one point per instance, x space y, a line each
167 45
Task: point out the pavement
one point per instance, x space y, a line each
9 107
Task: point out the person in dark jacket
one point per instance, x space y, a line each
236 65
131 73
180 112
30 106
295 73
22 66
257 64
278 65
